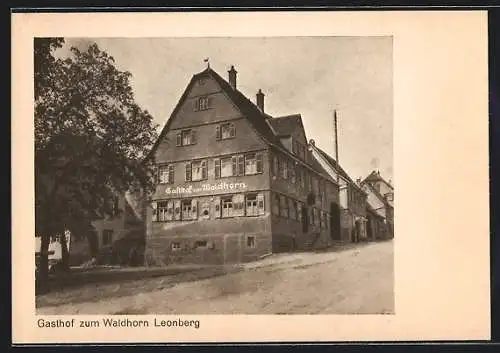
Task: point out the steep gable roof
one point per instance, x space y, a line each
370 209
286 125
254 115
377 193
337 167
374 177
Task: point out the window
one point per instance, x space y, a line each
275 165
229 166
189 209
196 171
226 167
202 103
225 131
201 244
175 246
251 242
253 163
284 207
164 211
284 169
299 211
251 205
293 209
276 204
292 173
186 138
166 174
312 212
233 206
107 237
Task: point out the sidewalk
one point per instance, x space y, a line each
79 276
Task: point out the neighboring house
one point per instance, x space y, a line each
351 197
114 239
381 199
376 227
234 183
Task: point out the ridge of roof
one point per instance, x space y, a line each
375 176
337 167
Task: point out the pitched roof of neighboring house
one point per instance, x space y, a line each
374 176
370 209
377 193
285 125
337 167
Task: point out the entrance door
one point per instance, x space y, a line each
335 221
357 231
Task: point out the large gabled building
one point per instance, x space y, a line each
234 183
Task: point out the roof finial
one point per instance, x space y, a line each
208 62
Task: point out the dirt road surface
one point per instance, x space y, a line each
357 279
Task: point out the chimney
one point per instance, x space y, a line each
232 77
260 100
358 181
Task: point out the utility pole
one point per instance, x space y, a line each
336 144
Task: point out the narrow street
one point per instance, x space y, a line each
355 280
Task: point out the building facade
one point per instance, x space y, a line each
381 199
118 238
352 199
233 186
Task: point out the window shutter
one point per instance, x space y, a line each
194 209
260 203
188 171
177 210
217 133
204 174
217 207
232 132
217 168
154 214
171 173
179 139
193 137
158 175
241 165
258 156
210 102
235 165
196 105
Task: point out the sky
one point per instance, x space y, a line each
307 75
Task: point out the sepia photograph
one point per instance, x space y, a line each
230 177
214 175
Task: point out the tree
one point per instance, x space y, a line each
91 139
